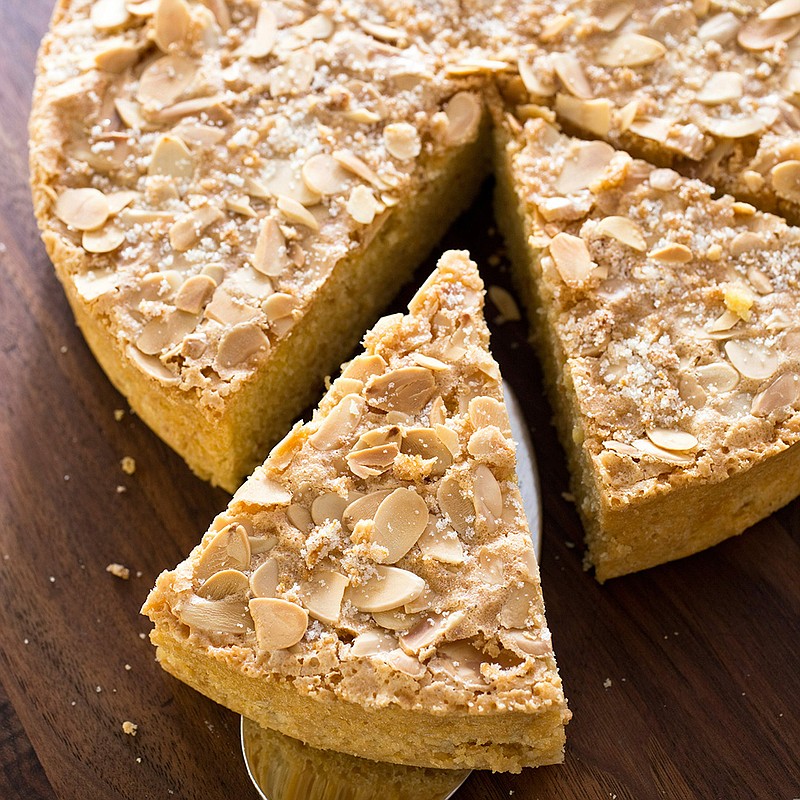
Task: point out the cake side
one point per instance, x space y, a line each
380 560
675 438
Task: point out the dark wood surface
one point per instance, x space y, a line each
683 680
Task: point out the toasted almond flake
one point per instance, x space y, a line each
743 209
279 623
264 34
781 10
525 642
212 106
103 240
164 332
116 56
240 204
399 522
552 29
670 439
151 366
443 546
328 506
195 293
751 359
672 21
319 27
646 447
429 362
324 175
691 391
763 34
569 70
394 620
270 256
279 306
572 259
516 609
724 322
631 50
338 426
429 630
383 32
371 643
656 129
486 411
744 242
238 345
294 76
463 111
785 179
364 507
624 230
106 15
593 116
622 448
82 209
171 23
363 116
215 616
425 442
584 164
454 504
142 8
402 140
362 205
171 157
717 377
119 200
612 15
721 87
197 134
322 595
782 392
370 462
229 548
534 82
264 580
299 516
186 231
296 212
389 588
487 497
476 66
165 80
224 584
407 389
760 281
737 128
408 665
671 253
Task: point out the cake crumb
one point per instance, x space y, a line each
119 571
130 727
128 464
119 413
121 489
63 349
128 667
607 683
568 496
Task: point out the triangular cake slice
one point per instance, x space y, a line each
232 192
667 324
373 588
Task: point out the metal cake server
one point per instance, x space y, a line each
283 768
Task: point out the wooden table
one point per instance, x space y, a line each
683 680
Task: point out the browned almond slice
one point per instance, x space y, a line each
660 454
223 584
322 595
488 497
195 293
165 80
271 255
569 70
430 630
262 490
279 623
593 116
324 175
372 461
338 427
83 209
785 178
186 231
389 588
239 345
454 504
399 522
364 507
407 389
671 253
354 164
215 616
171 157
228 549
427 443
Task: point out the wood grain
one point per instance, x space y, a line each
683 680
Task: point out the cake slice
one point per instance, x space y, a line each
373 588
667 324
710 89
232 192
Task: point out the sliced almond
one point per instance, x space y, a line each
186 231
237 346
444 546
429 630
572 259
585 163
463 111
395 620
718 377
517 607
106 15
388 588
354 164
164 332
487 497
624 230
671 439
364 507
116 56
646 447
761 34
721 87
264 580
751 359
569 70
296 212
425 442
407 389
671 253
225 583
165 80
328 506
265 33
103 240
262 490
760 281
781 10
171 157
215 616
228 549
735 128
534 81
399 522
340 423
279 623
281 178
403 662
372 643
691 391
785 179
455 505
402 141
322 595
782 392
486 411
271 255
631 50
324 175
294 76
370 462
171 24
82 209
593 116
362 205
721 28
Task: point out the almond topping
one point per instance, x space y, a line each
667 456
83 209
430 630
223 584
372 461
216 616
718 377
399 522
300 517
781 10
171 23
108 14
328 506
171 157
752 360
631 50
570 71
593 116
624 230
407 389
228 549
339 425
364 507
324 175
389 588
264 580
672 439
186 231
488 498
671 253
785 179
295 76
443 546
426 442
322 595
165 80
264 33
763 34
362 205
572 259
738 128
103 240
166 331
586 163
371 643
270 256
402 141
463 111
455 505
296 212
116 56
783 391
721 87
354 164
279 624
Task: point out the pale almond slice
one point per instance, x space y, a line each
402 141
165 80
227 582
364 507
455 505
631 50
646 447
761 34
383 32
464 111
261 490
593 116
556 26
279 306
751 359
718 377
670 439
585 163
119 200
673 21
408 665
623 448
461 662
744 242
297 213
279 623
338 427
516 610
785 179
388 588
429 362
299 516
116 56
211 106
265 33
227 549
322 595
485 411
781 10
487 497
186 231
671 253
725 322
271 255
319 27
721 87
239 345
106 15
624 230
152 367
569 70
282 178
171 23
370 462
611 15
228 616
399 522
82 209
324 175
525 642
171 157
352 163
572 259
264 580
782 392
444 546
372 643
429 630
164 332
294 76
362 205
406 389
534 81
760 281
328 506
735 128
395 620
103 240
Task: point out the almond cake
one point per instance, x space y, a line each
667 324
372 588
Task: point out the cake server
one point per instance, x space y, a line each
283 768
